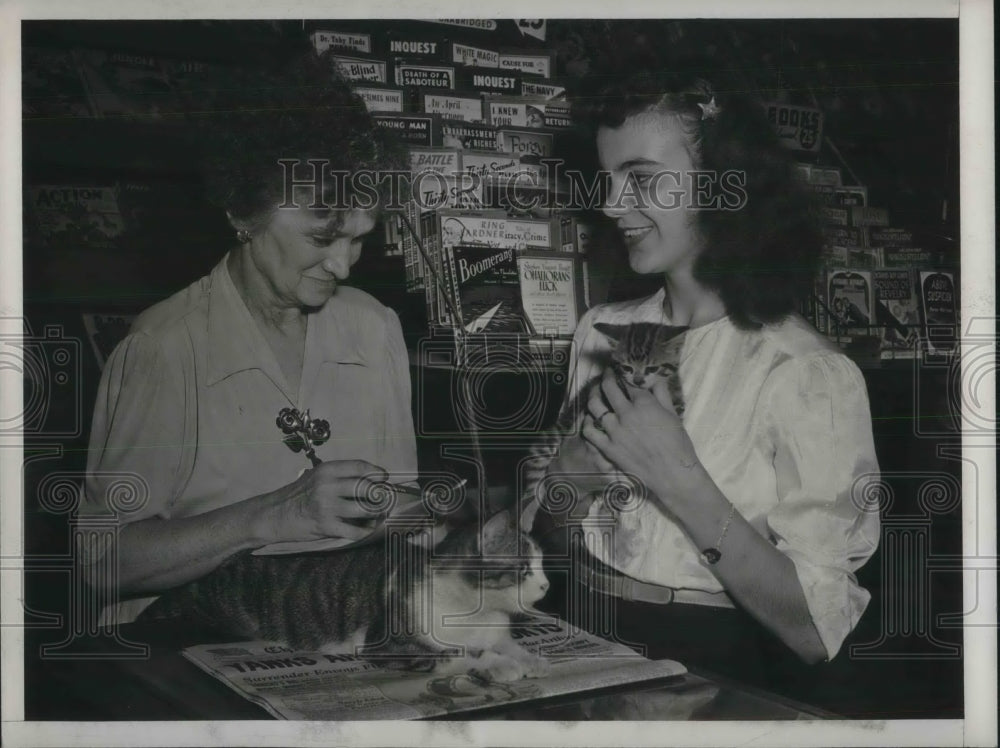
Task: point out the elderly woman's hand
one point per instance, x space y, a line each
642 437
324 502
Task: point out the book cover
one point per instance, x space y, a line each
448 192
486 288
444 161
550 293
850 299
543 89
51 85
515 112
490 80
845 236
380 98
908 257
495 229
429 47
473 56
414 129
66 215
124 84
836 216
939 305
413 265
353 41
862 215
841 197
521 143
825 175
527 192
889 236
467 107
539 62
897 312
468 135
501 166
366 69
422 74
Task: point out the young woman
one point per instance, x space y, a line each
754 519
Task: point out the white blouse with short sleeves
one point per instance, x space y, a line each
780 420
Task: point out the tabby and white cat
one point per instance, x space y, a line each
642 354
403 605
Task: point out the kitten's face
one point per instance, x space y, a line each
643 351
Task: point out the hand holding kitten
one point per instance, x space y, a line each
642 436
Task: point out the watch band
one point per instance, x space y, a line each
713 555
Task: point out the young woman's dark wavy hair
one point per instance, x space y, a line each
301 110
760 258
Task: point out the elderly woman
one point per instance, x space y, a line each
188 402
754 518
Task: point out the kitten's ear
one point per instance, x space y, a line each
613 332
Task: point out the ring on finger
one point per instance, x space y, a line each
598 421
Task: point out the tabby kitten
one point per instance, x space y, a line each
445 610
643 352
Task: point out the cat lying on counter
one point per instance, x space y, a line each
442 610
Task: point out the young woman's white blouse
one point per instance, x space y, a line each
780 420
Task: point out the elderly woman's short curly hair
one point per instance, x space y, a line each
762 257
303 110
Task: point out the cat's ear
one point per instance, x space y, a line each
497 533
612 332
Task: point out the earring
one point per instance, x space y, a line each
243 236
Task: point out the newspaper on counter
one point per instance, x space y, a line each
341 686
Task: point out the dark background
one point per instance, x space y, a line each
889 93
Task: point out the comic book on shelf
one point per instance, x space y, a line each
939 307
897 312
71 215
851 301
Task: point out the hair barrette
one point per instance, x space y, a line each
710 110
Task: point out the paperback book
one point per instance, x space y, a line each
897 312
